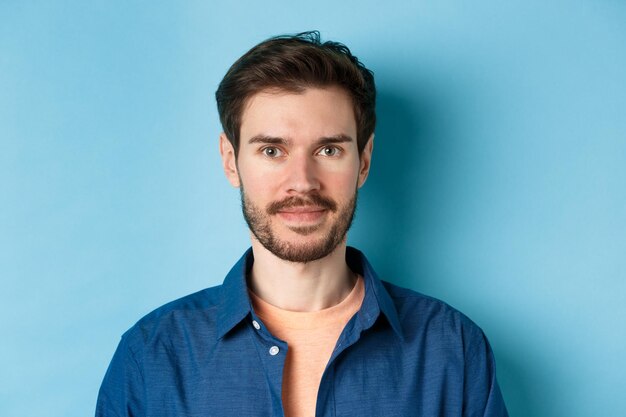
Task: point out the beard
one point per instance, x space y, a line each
260 223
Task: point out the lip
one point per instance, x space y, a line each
310 214
302 209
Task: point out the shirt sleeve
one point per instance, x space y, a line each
482 396
122 390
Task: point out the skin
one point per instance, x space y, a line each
293 146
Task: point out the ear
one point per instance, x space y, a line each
229 160
366 160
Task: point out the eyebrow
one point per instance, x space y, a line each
271 140
334 139
274 140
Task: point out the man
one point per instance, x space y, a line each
301 326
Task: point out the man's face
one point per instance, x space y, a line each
298 170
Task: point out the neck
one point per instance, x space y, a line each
293 286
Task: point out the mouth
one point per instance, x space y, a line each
302 214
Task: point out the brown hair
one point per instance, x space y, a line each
293 63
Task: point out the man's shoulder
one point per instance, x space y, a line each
404 297
188 313
198 301
423 313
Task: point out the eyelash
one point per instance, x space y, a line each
263 151
335 148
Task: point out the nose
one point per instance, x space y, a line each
302 175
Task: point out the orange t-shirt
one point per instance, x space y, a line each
311 337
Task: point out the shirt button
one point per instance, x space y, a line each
256 324
274 350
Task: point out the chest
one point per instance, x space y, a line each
243 376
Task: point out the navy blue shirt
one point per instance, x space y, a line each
401 354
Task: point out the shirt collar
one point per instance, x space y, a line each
235 301
377 298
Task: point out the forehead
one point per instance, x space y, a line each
314 112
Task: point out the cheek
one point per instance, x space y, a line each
258 184
342 184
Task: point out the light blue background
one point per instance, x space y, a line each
498 179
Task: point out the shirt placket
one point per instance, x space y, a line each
326 397
272 354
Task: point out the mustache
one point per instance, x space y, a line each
295 201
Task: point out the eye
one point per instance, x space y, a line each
271 152
330 151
